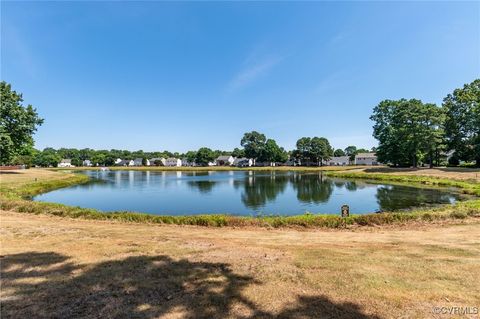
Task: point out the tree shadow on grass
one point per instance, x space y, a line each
48 285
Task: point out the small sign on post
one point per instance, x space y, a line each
345 211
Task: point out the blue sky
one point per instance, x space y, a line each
182 75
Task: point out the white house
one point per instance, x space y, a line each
243 162
157 161
226 160
126 163
338 161
366 159
139 162
66 162
118 160
87 163
172 161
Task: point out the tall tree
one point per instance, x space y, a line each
273 153
302 152
462 123
351 151
238 152
204 156
404 129
17 124
339 152
316 149
320 150
253 144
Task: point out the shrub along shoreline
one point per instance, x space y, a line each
16 198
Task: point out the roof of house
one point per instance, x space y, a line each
340 158
156 159
172 159
87 161
138 159
240 159
224 157
366 155
66 161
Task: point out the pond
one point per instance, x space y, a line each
240 193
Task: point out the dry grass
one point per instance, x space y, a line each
440 172
58 267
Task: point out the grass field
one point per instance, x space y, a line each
69 267
57 267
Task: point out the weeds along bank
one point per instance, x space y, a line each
16 189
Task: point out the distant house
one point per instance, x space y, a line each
226 160
118 160
157 161
293 162
366 159
87 163
126 163
186 162
139 162
338 161
172 161
243 162
66 162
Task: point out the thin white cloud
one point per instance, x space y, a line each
252 71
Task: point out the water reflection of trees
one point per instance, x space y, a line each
312 188
262 188
203 186
396 197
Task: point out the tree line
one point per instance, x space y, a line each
309 151
409 132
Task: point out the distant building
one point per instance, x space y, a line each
338 161
293 162
139 162
186 162
126 163
87 163
66 162
226 160
172 161
243 162
157 161
118 160
366 159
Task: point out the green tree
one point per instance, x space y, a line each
404 129
320 150
47 157
17 124
190 156
339 152
351 151
462 123
273 153
237 152
253 144
302 152
316 149
204 156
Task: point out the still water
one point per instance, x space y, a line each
239 193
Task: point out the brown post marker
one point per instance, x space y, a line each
345 211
